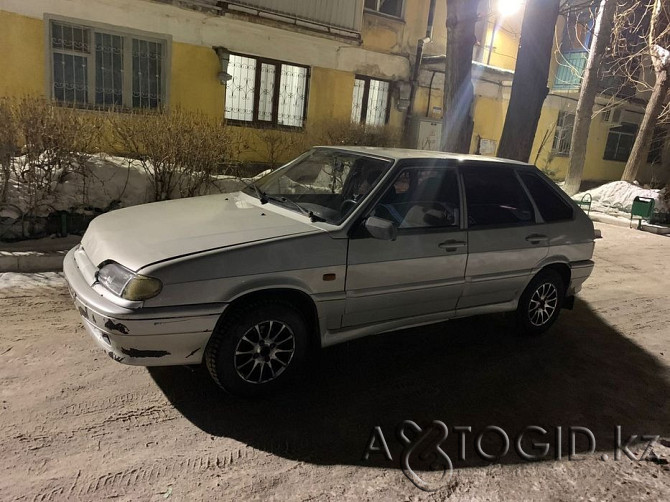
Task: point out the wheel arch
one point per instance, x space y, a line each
292 296
562 268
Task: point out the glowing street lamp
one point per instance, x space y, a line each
508 7
505 9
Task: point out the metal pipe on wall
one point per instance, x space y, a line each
414 80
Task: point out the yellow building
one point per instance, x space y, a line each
287 66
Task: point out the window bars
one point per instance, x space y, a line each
92 67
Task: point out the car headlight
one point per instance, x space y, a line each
127 284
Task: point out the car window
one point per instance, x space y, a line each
551 205
495 197
326 184
422 198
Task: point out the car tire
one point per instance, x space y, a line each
257 348
540 303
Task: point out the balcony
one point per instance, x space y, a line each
611 81
571 67
341 16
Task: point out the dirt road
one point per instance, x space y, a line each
76 425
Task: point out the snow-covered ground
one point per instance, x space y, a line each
618 196
10 280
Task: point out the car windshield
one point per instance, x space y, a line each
325 184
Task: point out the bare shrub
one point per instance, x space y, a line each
8 145
344 132
52 141
179 151
277 146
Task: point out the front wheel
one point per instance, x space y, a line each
540 303
257 348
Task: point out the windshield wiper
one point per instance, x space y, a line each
313 217
262 196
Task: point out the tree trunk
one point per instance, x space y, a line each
529 87
638 155
457 123
587 95
665 158
660 60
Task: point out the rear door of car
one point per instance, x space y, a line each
422 271
506 240
569 229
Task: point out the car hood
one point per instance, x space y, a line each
141 235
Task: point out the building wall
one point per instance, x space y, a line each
193 66
192 85
388 45
22 56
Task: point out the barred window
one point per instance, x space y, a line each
563 134
269 92
102 68
390 7
370 104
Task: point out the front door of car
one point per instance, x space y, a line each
505 241
422 270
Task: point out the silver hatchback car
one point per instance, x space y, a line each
338 244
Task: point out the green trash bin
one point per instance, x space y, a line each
643 208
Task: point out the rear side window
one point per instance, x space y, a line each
495 197
551 205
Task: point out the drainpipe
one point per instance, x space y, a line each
414 80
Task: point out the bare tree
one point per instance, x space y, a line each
529 87
658 45
587 94
458 90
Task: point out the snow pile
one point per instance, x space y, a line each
13 281
110 179
110 182
619 196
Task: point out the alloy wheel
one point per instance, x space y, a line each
264 352
543 304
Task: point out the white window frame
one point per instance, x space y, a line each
128 34
377 10
563 134
259 107
365 101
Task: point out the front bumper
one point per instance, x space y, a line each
142 337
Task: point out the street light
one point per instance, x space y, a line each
505 9
508 7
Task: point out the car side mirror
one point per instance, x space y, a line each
380 228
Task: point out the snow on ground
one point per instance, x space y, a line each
11 280
619 196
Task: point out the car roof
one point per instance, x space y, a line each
408 153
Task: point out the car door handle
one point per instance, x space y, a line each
452 245
537 238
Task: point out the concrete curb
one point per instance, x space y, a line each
32 262
609 219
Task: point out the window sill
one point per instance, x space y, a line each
264 126
560 154
106 109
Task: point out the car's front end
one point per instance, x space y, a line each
151 281
126 330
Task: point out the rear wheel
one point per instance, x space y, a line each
540 303
257 348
